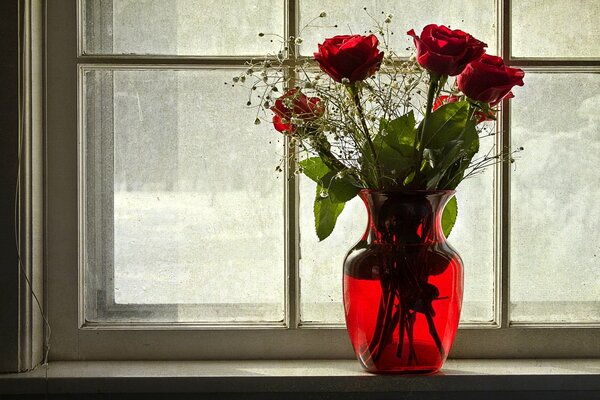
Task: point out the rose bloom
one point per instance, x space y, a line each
295 104
353 57
488 80
444 51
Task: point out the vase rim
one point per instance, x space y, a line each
409 191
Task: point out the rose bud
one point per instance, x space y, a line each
488 80
295 104
351 57
444 51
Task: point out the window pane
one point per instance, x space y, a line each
478 17
175 171
555 257
180 27
321 265
555 28
473 238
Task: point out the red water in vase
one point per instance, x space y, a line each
403 284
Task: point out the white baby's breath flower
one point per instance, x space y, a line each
342 174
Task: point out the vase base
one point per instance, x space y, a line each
403 371
427 359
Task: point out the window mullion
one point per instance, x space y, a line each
503 176
292 229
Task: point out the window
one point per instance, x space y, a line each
170 235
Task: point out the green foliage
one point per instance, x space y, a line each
455 172
400 134
394 145
449 141
441 160
449 216
314 168
445 124
334 189
326 212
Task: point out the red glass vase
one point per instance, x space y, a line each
403 284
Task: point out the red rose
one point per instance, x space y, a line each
295 104
444 51
353 57
488 80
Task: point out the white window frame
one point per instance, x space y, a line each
73 339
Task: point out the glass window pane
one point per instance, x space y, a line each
321 263
175 171
180 27
555 242
478 17
555 28
473 238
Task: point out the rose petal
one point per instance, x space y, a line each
281 126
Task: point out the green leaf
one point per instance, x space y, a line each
326 212
471 139
336 189
445 124
409 178
391 159
443 160
340 189
314 168
400 133
455 173
449 216
394 145
393 164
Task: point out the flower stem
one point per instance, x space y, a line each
354 93
434 334
433 87
471 112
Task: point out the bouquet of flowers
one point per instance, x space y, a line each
367 119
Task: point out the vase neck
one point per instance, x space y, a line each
405 217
